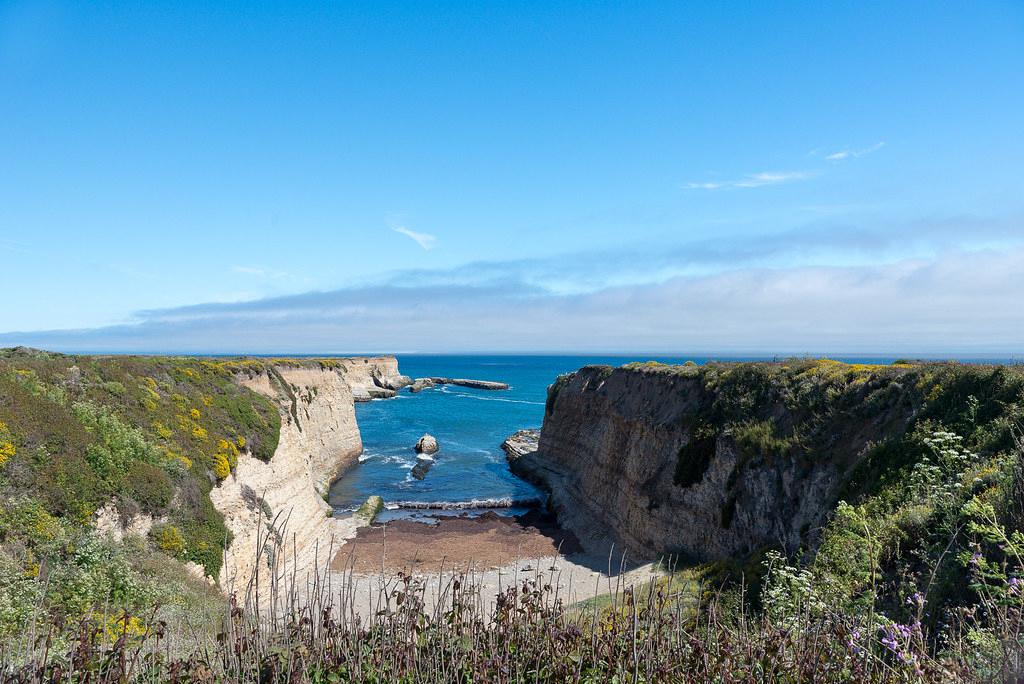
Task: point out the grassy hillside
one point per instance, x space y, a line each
141 437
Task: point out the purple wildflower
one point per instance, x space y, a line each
851 643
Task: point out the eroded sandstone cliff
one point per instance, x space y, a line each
711 462
319 439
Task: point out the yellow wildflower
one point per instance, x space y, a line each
221 467
7 451
170 541
116 627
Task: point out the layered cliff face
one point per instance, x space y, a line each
319 440
373 377
716 461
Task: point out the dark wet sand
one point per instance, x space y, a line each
453 542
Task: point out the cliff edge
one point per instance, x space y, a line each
319 439
716 461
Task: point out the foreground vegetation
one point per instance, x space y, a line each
675 629
918 574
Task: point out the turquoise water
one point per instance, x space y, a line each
469 472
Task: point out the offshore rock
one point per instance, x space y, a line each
474 384
427 444
421 384
422 467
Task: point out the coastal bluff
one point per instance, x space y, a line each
319 440
718 461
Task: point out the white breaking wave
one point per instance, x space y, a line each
507 401
502 502
387 458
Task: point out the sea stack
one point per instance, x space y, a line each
426 445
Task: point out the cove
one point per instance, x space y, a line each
470 473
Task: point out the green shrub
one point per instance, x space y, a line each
760 438
118 445
26 520
168 539
149 486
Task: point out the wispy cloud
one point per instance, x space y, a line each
948 284
831 241
424 240
960 302
753 180
852 154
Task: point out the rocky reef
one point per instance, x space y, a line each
716 461
421 384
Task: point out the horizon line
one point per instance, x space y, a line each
758 355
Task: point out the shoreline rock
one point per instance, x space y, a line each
369 511
371 393
427 444
372 377
397 382
521 443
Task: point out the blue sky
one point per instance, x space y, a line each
810 177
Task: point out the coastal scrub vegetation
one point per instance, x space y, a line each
88 439
685 626
137 432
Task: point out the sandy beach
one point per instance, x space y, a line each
493 552
469 542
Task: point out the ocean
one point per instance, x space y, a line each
469 473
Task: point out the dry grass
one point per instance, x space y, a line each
285 628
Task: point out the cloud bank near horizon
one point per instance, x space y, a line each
957 301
